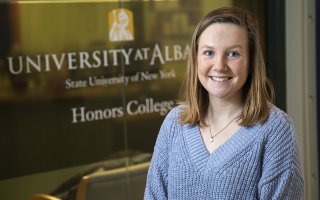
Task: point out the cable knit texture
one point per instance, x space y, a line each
257 162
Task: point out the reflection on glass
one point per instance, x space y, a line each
86 82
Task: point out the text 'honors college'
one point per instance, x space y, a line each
133 107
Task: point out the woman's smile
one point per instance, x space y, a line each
220 78
222 60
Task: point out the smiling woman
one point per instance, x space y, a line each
223 60
226 140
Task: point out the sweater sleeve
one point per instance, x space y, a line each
157 179
282 176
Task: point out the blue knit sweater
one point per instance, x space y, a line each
257 162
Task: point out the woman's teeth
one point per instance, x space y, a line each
219 79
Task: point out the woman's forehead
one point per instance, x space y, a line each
223 35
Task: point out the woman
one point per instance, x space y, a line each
226 140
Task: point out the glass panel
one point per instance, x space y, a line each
60 102
85 82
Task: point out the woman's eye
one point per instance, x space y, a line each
233 54
208 53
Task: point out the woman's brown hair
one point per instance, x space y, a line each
257 92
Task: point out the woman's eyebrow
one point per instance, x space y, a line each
231 47
207 47
235 46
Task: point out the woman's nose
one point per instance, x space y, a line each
219 63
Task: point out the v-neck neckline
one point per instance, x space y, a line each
202 158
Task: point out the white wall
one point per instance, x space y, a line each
301 85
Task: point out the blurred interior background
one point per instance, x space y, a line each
85 85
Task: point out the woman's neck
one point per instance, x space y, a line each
221 110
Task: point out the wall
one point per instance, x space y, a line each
301 86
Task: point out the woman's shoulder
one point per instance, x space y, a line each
171 120
280 126
278 117
281 151
174 114
169 128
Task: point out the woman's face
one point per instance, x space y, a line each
222 60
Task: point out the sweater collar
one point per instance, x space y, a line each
205 161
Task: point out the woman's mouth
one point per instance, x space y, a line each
220 78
